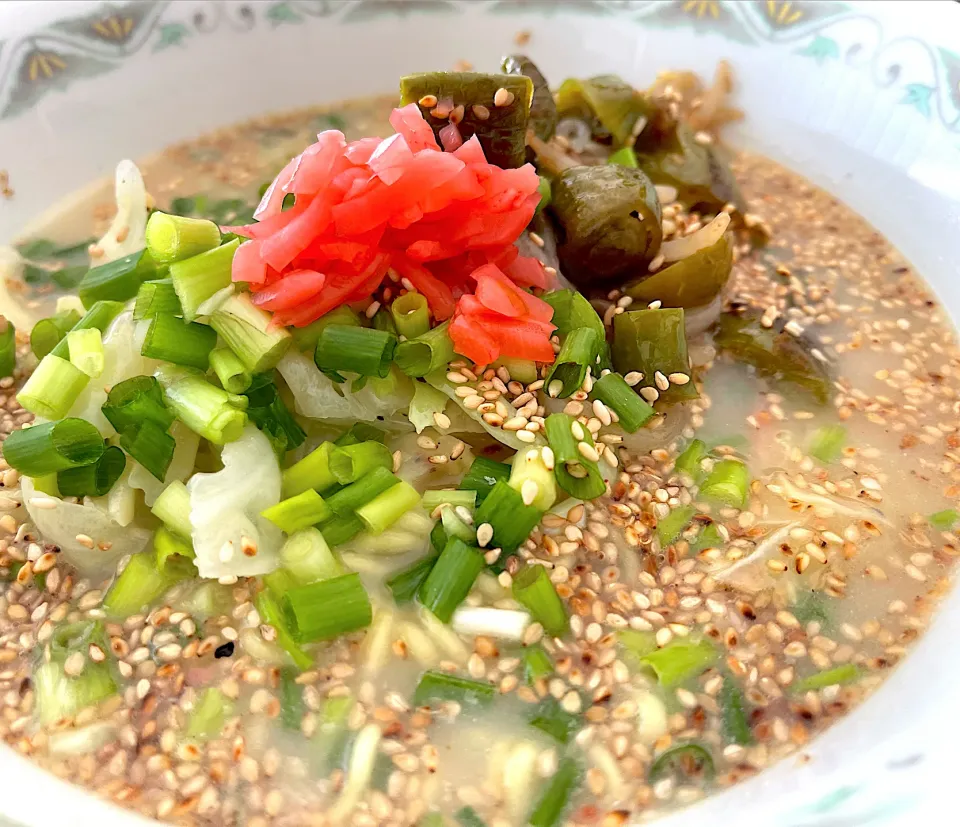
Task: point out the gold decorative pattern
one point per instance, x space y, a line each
44 65
115 27
703 8
784 12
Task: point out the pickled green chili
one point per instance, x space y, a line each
654 343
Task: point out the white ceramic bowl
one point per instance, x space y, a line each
861 97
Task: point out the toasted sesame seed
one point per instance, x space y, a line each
503 97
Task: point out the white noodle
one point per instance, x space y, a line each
362 760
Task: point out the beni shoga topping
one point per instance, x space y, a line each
491 472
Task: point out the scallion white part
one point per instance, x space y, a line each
504 624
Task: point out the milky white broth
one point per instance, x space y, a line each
852 578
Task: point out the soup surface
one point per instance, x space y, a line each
759 562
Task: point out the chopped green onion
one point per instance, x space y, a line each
728 483
172 552
141 583
173 238
233 376
692 759
546 193
52 388
521 370
157 296
451 578
8 347
944 520
307 557
47 484
625 157
633 412
534 590
53 446
579 352
355 350
551 718
59 696
689 462
172 508
577 473
149 445
483 475
433 819
247 331
439 686
812 606
511 520
92 480
136 400
199 278
426 353
327 609
652 341
272 615
405 584
349 463
205 409
360 432
86 351
532 479
306 338
292 705
550 807
47 333
170 339
347 500
383 320
537 665
270 414
637 644
313 471
386 508
455 526
572 311
342 529
672 526
467 817
680 660
98 316
209 714
438 535
411 315
449 496
734 721
827 443
117 280
838 675
709 537
302 511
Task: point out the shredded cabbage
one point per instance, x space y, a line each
121 360
128 230
11 270
225 510
62 524
427 401
181 466
318 397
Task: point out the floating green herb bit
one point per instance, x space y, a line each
60 696
680 660
812 606
292 705
8 347
440 686
209 714
543 109
735 722
551 718
839 675
498 118
553 802
689 462
827 443
611 223
467 817
728 483
944 520
692 759
671 527
694 281
776 353
636 644
536 664
654 342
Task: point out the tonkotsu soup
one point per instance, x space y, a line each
506 458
